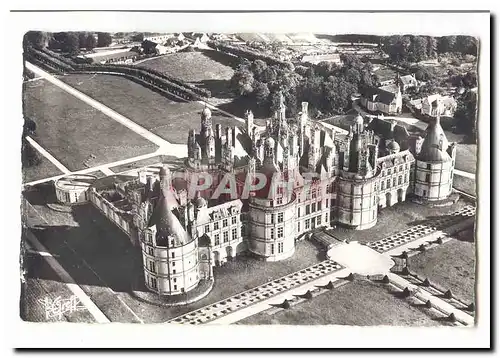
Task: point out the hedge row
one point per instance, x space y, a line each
152 77
200 91
247 53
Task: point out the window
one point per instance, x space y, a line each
298 226
383 172
280 232
308 224
149 237
327 202
152 266
272 233
382 186
280 247
234 234
313 193
175 287
216 225
298 212
224 223
388 183
326 218
389 171
272 218
225 235
216 239
280 217
151 251
173 263
207 228
318 220
400 180
272 249
173 272
279 200
400 168
319 205
406 166
308 209
233 220
394 181
428 166
427 178
154 284
313 207
173 254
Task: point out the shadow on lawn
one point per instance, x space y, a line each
222 58
218 88
99 244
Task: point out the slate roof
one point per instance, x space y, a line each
378 95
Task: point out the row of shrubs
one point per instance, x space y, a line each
246 53
177 87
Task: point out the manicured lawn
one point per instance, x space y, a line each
41 171
360 303
466 159
157 160
206 69
166 117
450 265
464 184
76 134
394 219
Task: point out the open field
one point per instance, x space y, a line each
166 117
99 255
76 134
360 303
394 219
206 69
450 265
43 170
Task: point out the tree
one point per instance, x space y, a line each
103 39
431 47
82 39
242 81
397 47
466 45
447 44
71 43
139 37
258 67
325 68
418 49
260 92
268 75
90 42
466 113
337 94
38 39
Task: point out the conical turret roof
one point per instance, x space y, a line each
168 227
430 151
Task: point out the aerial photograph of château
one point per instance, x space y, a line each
249 178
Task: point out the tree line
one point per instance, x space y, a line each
410 48
67 42
327 87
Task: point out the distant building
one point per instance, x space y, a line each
387 99
406 82
436 104
73 188
315 59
